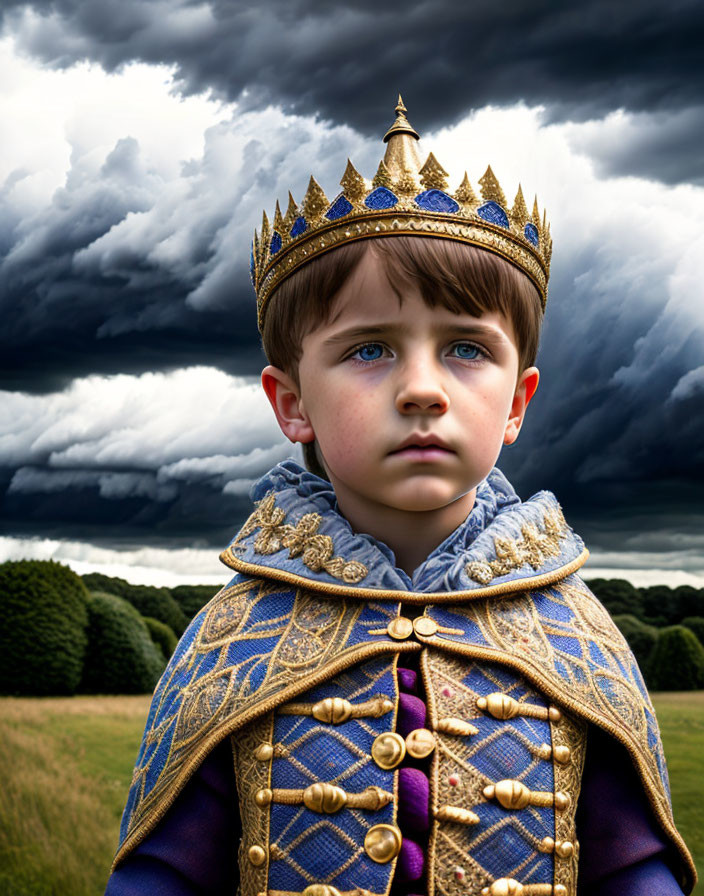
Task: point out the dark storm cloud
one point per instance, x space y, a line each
128 269
344 61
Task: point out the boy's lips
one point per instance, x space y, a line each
423 445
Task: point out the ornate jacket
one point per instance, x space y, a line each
295 661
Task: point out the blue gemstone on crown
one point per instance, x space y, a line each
252 268
275 243
436 201
299 226
381 198
340 207
531 234
493 213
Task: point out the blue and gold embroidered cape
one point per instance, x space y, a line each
311 598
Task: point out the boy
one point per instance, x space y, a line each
411 686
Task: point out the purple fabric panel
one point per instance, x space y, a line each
651 877
411 713
411 862
194 848
413 799
617 832
407 680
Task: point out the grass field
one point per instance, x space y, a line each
66 763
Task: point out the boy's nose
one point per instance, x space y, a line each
420 391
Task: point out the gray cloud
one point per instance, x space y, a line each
344 61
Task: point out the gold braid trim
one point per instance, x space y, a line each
534 548
302 539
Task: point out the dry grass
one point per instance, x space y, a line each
65 765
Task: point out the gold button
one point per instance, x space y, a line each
424 626
320 890
382 843
388 750
263 797
264 752
400 628
562 800
257 855
562 754
420 743
564 849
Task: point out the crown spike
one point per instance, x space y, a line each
519 212
278 219
535 217
402 145
491 190
433 176
382 178
264 240
291 214
352 183
464 193
315 201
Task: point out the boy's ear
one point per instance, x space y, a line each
285 398
525 390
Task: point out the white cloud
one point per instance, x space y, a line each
188 424
146 566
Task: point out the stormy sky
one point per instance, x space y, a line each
139 144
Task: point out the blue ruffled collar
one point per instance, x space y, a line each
298 534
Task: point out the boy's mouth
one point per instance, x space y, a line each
426 446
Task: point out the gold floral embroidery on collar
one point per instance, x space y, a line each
303 539
533 548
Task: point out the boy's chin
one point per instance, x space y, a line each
429 498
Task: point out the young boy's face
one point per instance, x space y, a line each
409 405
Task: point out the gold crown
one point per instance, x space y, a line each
403 198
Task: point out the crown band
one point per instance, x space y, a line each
403 199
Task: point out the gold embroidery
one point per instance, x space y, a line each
534 548
568 735
302 540
251 775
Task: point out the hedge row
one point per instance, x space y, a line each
58 638
671 658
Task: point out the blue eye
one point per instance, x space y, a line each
372 351
467 350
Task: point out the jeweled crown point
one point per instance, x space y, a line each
491 189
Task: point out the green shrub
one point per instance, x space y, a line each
618 596
155 602
121 656
43 631
677 661
641 639
162 636
192 598
695 624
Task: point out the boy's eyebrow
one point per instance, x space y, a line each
366 331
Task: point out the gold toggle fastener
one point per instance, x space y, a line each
337 710
458 727
456 815
501 706
506 886
326 798
515 795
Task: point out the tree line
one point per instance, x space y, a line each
62 633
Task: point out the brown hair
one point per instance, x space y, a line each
457 276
